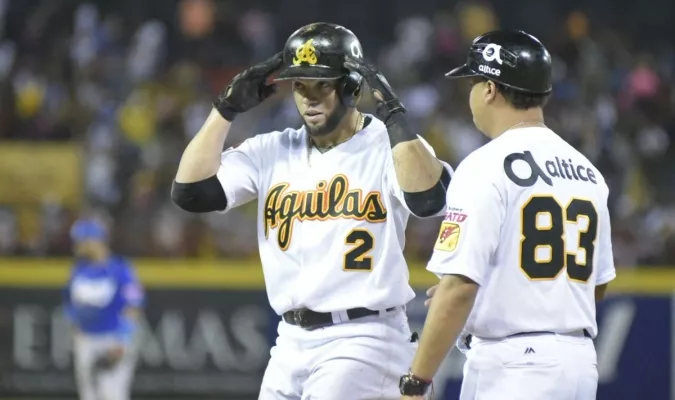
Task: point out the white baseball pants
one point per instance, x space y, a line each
114 384
531 367
362 359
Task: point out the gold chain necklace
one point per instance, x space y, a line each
310 147
522 123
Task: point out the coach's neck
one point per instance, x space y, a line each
345 130
505 118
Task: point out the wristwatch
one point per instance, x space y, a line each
410 385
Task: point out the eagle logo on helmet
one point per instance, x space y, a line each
305 53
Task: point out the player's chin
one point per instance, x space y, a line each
317 129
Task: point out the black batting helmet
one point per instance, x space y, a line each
317 51
514 59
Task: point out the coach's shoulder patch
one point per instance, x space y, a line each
448 236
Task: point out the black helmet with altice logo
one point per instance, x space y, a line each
514 59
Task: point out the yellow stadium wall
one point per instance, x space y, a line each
231 275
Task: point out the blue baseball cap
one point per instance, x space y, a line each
88 229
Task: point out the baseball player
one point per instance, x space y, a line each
102 300
333 201
524 251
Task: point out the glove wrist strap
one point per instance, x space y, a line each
398 129
224 110
388 108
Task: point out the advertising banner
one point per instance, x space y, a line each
194 342
208 329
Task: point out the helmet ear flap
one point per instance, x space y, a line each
350 88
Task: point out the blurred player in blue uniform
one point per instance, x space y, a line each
103 299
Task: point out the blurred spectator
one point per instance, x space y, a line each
131 82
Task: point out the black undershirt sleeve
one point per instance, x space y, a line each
431 201
199 197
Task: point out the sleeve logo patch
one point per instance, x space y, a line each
455 216
448 237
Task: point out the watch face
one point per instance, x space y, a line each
410 386
401 384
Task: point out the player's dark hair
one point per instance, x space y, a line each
516 98
522 100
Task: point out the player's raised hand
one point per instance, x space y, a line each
248 88
388 101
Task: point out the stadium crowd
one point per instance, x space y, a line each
130 84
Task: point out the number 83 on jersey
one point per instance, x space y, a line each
544 238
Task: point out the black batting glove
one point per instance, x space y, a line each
388 102
389 108
248 88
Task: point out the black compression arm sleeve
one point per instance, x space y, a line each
431 201
199 197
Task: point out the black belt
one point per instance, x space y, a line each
467 339
310 320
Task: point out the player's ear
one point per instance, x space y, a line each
490 92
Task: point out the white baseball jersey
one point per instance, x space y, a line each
331 226
527 220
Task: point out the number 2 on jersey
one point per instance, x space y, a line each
552 236
356 258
